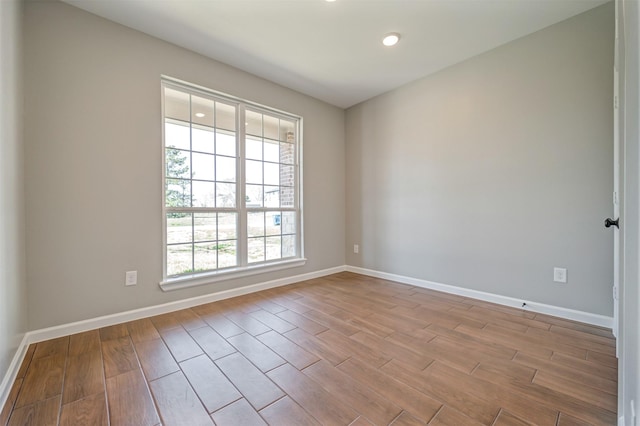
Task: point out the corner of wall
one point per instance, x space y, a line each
13 294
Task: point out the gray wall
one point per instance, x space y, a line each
93 171
490 173
13 300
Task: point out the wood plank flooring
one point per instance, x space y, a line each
340 350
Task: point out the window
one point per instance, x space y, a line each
231 191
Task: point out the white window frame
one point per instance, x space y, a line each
243 269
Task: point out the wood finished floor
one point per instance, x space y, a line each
339 350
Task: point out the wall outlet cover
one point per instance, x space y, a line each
131 278
560 275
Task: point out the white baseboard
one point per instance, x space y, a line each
107 320
12 372
566 313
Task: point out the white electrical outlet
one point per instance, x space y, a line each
560 275
131 278
356 248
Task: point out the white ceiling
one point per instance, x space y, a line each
333 51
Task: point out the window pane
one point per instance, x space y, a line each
288 246
225 194
254 171
204 256
287 196
179 259
253 149
204 194
227 226
274 248
225 169
177 193
177 136
271 174
256 250
226 144
177 163
270 127
225 116
227 254
204 166
203 140
273 223
253 123
271 151
287 153
255 224
271 196
179 229
287 131
287 175
254 195
176 104
202 111
204 226
288 222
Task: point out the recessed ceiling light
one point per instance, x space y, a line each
391 39
330 1
199 114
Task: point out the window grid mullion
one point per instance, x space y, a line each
243 246
264 215
218 242
193 235
193 242
264 235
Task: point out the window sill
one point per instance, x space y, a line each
194 280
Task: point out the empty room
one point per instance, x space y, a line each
319 212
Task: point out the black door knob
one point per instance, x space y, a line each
608 222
